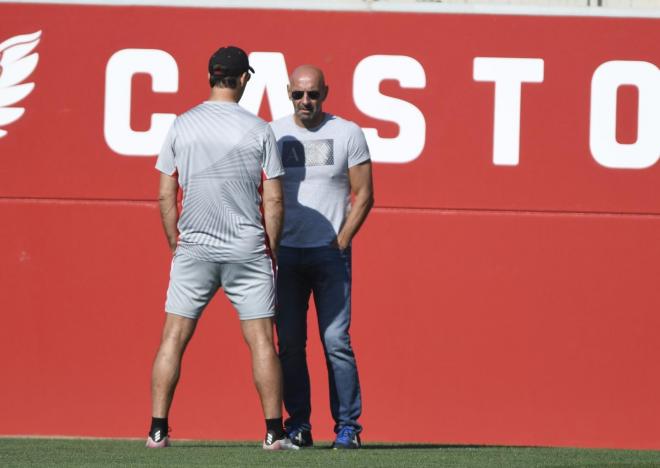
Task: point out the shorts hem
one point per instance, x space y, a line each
255 316
190 315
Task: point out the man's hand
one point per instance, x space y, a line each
273 200
362 188
169 211
340 244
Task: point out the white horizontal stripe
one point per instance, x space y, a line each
365 6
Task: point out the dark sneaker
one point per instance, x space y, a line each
301 437
158 440
347 438
283 443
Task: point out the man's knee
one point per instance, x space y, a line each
291 341
258 334
336 342
177 331
291 349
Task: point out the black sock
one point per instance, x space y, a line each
275 425
159 429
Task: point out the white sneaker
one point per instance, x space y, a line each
162 443
270 443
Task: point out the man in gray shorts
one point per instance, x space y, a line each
216 153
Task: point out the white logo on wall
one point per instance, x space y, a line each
16 64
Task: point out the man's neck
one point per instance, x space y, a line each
310 125
223 95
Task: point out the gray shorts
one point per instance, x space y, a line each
250 286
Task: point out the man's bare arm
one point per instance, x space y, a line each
273 200
169 211
363 189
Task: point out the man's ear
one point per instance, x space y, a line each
288 91
325 92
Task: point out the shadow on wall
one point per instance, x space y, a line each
297 156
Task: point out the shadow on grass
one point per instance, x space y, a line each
376 446
439 446
211 445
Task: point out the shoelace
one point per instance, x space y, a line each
345 434
296 433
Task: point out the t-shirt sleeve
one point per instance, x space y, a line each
272 162
165 162
358 151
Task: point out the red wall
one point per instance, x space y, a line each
492 304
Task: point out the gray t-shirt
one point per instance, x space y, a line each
220 151
316 186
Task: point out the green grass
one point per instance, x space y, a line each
15 452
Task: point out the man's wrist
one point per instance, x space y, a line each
343 242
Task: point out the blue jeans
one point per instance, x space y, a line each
326 272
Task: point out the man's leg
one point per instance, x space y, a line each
293 293
266 371
332 296
267 374
177 332
250 286
192 285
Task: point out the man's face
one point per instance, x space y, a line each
307 93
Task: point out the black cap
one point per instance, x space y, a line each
229 61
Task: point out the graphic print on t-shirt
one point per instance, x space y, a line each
307 153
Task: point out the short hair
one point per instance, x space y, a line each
223 81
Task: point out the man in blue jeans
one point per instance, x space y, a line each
327 160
